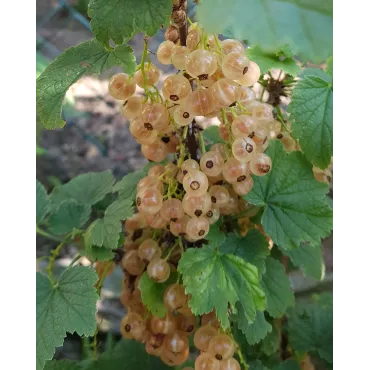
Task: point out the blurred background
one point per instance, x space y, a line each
96 137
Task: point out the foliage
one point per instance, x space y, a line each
239 270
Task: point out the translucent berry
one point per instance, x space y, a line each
235 65
219 195
211 163
155 116
137 221
203 335
155 152
243 126
132 326
156 170
154 344
176 88
140 133
263 113
151 76
186 323
163 325
244 149
132 263
132 107
179 54
196 206
174 359
232 46
220 148
195 183
149 182
148 250
189 164
176 342
247 95
221 347
178 228
156 221
175 297
200 102
225 92
235 170
121 86
210 319
182 116
149 201
158 270
201 63
197 228
212 215
224 132
164 52
172 209
243 187
229 364
206 361
252 76
193 39
261 164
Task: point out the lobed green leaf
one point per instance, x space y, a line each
276 285
67 306
88 188
216 281
311 113
67 216
90 57
42 202
296 207
119 20
305 25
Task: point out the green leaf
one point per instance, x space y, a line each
256 365
94 253
215 236
216 280
310 329
119 210
296 208
329 66
128 355
127 186
253 248
42 202
318 72
69 215
271 343
120 20
311 112
63 365
275 283
88 58
103 232
211 135
152 293
287 365
256 330
68 306
88 188
305 25
267 61
309 258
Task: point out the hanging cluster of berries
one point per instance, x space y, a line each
179 200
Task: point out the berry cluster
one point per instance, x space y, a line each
178 201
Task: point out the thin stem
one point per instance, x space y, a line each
47 235
170 251
281 118
239 352
143 59
201 142
263 91
54 255
102 278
